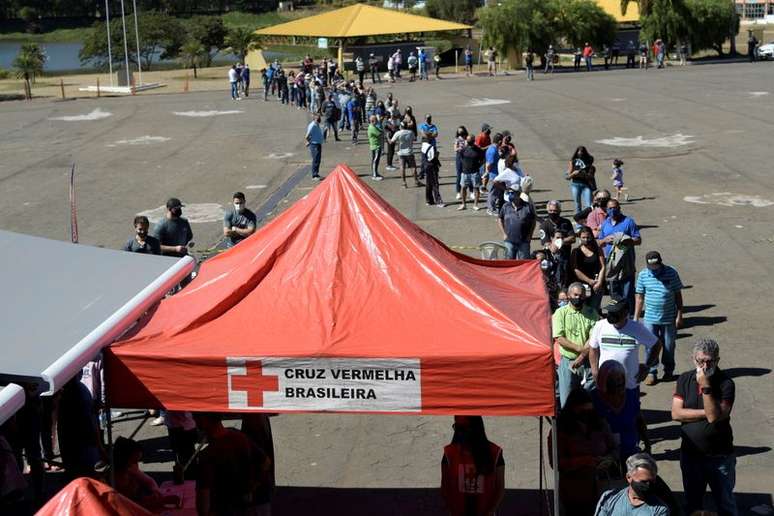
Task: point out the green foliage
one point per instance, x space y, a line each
644 5
4 74
460 11
713 22
158 33
29 64
211 32
668 20
535 24
192 54
585 21
240 40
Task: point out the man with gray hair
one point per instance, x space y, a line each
638 497
702 402
557 234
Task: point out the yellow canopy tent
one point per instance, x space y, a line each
359 20
613 8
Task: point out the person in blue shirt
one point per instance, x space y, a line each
246 79
269 80
422 64
314 140
353 112
620 278
428 132
491 158
659 291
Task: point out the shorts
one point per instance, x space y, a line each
408 161
470 180
618 184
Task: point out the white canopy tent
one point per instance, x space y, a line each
64 302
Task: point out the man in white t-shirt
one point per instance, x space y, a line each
618 338
233 78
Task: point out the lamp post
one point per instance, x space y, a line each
110 50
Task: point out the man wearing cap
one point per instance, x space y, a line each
571 325
517 222
618 338
173 231
658 291
598 215
314 140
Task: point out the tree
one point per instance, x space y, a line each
28 64
460 11
160 36
210 32
240 40
192 54
713 22
667 20
520 24
585 21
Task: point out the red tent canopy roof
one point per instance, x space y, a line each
343 281
88 497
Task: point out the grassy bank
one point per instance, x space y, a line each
75 34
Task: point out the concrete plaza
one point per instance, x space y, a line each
697 144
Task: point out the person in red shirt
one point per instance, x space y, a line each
588 52
484 138
472 470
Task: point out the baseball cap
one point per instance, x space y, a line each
618 162
653 259
174 202
616 306
485 127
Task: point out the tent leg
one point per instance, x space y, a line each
555 453
541 499
109 425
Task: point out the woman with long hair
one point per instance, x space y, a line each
472 470
580 172
587 265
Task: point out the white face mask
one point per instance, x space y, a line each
239 207
558 243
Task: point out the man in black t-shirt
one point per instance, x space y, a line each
517 222
173 231
702 403
142 242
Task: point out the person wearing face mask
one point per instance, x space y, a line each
658 291
142 242
598 214
173 231
559 245
472 470
618 338
702 403
517 222
571 327
238 221
587 264
619 235
639 497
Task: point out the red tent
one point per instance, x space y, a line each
88 497
342 304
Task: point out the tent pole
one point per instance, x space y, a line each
137 40
341 56
540 465
109 425
126 49
555 453
110 50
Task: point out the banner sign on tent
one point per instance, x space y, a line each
330 384
322 42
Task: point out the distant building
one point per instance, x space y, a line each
761 11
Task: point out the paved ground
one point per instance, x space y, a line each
698 171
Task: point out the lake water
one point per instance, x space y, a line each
64 56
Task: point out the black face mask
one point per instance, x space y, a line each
614 318
641 488
176 211
577 302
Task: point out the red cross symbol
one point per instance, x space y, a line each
254 383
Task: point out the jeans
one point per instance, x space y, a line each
719 472
530 72
568 379
668 335
344 120
581 195
315 149
623 289
234 92
588 64
376 155
518 251
494 198
458 166
330 124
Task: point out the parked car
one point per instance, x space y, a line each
766 51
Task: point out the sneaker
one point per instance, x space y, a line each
461 208
391 168
419 184
458 196
650 379
440 205
158 421
377 178
476 208
471 197
668 376
490 212
316 178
